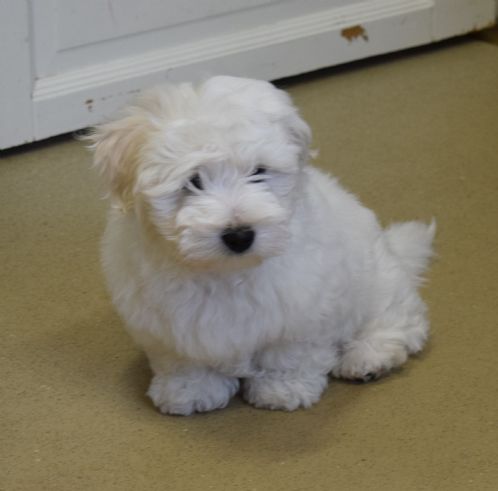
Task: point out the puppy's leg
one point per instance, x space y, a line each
181 388
291 376
398 324
382 346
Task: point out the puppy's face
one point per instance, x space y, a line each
215 171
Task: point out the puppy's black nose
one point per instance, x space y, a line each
238 239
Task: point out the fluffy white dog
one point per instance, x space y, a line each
233 262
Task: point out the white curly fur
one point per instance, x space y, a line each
323 289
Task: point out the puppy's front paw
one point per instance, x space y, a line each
187 393
369 360
287 392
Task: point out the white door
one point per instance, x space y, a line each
67 64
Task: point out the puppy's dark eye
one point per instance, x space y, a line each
196 181
258 171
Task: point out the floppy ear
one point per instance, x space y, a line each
283 110
299 132
116 147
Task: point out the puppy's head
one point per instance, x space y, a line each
214 170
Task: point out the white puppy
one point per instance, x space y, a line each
232 261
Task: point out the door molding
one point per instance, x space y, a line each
168 60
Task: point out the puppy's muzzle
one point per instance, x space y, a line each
238 239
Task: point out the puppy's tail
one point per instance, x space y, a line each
412 243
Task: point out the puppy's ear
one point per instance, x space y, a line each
299 132
116 147
286 113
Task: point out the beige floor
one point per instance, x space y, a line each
415 135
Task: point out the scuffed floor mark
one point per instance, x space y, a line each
89 105
354 32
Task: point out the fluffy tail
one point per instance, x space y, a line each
412 243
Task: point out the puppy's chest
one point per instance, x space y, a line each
222 319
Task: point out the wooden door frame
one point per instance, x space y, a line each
16 75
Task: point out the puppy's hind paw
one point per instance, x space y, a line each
366 360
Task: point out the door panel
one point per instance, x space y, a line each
114 19
67 64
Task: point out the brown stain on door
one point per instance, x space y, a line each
354 32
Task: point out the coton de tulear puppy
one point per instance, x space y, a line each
235 263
